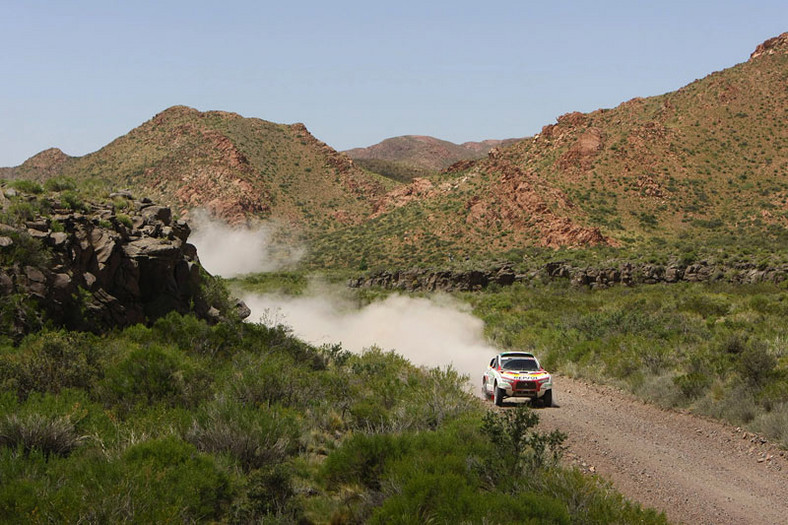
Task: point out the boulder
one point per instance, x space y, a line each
103 273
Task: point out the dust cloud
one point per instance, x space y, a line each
434 332
231 251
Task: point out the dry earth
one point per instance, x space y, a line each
695 470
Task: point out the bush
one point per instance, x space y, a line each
25 250
72 200
362 459
60 183
171 481
48 435
268 492
26 186
50 362
254 438
519 446
448 498
154 374
756 364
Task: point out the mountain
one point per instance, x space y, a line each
420 154
701 168
239 168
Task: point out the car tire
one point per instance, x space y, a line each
499 393
547 398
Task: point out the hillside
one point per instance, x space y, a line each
704 167
701 170
420 152
239 168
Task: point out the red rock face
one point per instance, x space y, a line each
582 153
778 44
518 202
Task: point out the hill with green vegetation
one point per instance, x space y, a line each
240 169
703 168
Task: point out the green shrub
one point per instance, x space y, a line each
171 481
756 364
448 498
362 459
17 212
72 200
48 435
694 384
154 374
60 183
519 446
26 186
25 250
268 493
51 361
125 220
254 438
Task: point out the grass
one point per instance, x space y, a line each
241 423
718 350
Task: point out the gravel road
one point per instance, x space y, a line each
695 470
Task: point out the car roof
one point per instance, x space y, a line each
517 354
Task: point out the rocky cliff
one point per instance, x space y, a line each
96 268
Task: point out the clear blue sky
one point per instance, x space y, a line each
80 73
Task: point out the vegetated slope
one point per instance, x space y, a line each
420 152
708 157
239 168
702 165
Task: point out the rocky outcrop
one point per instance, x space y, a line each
646 273
627 274
96 269
419 279
778 44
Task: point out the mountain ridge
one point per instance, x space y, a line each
426 152
694 166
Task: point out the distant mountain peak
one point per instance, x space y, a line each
47 160
778 44
425 152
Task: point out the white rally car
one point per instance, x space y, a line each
517 374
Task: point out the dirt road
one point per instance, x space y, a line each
696 471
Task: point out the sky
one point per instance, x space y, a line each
78 74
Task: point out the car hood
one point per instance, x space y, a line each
514 374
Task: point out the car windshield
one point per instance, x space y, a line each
519 364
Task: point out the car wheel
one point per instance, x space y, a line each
499 393
548 398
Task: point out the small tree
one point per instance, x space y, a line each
518 445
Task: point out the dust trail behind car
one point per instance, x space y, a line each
434 332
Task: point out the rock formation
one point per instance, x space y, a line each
97 269
628 274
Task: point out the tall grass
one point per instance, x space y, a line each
718 350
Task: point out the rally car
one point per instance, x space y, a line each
517 374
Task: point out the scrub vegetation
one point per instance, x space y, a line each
720 350
243 423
